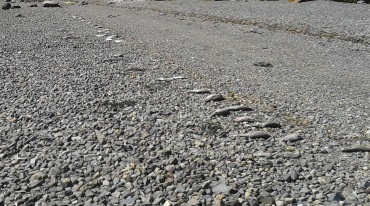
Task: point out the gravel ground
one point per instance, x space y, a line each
111 106
320 18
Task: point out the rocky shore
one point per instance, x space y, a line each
152 103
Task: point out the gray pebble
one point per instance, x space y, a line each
221 187
266 200
89 193
349 194
37 176
158 201
193 201
130 201
294 175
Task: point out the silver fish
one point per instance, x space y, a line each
291 138
359 148
245 119
255 135
199 91
239 108
221 112
214 97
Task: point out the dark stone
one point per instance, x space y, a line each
287 178
16 7
335 197
160 179
365 184
206 184
253 201
6 6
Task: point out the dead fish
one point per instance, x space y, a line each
178 77
221 112
214 97
118 55
270 125
170 79
262 64
359 148
245 119
199 91
239 108
110 38
291 138
255 135
226 111
164 79
101 31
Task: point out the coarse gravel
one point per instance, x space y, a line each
110 105
316 17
